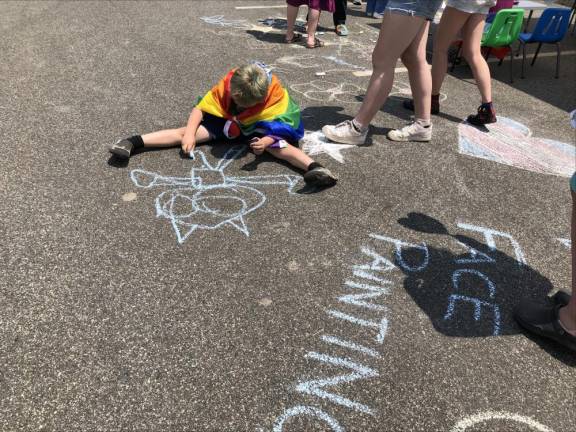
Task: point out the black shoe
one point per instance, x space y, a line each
485 116
122 149
542 319
320 176
434 107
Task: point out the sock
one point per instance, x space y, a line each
424 123
358 127
136 141
314 165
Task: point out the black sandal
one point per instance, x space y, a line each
296 38
317 44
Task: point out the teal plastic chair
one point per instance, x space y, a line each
503 32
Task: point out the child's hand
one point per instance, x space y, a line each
188 144
258 145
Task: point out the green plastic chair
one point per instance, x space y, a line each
503 32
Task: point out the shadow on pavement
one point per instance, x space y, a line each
472 299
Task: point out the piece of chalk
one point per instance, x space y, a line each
320 73
191 155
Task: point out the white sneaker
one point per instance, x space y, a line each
345 133
412 132
378 15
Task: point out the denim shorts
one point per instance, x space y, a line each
421 8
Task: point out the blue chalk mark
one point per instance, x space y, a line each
477 309
489 235
458 273
476 257
398 245
315 387
209 199
381 326
350 345
303 410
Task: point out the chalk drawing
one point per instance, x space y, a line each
308 411
486 416
458 274
511 143
315 143
566 242
209 199
220 20
399 245
454 298
490 235
315 387
330 92
381 326
350 345
378 263
373 291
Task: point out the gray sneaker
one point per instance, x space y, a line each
412 132
122 149
345 133
320 176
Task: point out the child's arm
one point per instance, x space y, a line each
189 138
258 145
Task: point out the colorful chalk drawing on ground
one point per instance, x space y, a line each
209 199
469 423
315 143
511 143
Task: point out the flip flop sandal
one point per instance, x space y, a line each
296 38
317 44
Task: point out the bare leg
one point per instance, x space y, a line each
313 19
472 32
293 155
396 33
451 23
414 58
291 14
173 137
568 312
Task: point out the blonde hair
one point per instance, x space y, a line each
249 85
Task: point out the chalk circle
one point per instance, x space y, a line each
130 196
483 417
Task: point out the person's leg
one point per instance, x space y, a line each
397 32
567 314
339 16
291 15
414 58
313 19
315 174
173 137
451 23
471 49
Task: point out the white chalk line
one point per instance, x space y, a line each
482 417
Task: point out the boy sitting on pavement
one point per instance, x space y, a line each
248 101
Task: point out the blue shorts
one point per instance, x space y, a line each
420 8
573 182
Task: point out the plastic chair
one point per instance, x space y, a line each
551 28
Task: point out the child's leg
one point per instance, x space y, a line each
291 15
316 174
313 19
293 155
414 58
451 23
472 32
173 137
